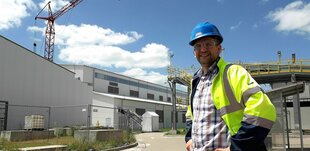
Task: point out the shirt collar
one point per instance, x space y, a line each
211 68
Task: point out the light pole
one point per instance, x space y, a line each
279 57
172 86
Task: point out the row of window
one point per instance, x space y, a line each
115 90
116 80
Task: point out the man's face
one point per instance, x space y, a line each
206 51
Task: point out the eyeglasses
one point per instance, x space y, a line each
207 45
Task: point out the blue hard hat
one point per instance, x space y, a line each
205 29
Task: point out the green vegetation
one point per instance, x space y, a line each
127 138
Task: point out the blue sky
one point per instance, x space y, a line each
135 37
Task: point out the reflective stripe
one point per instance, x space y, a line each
258 121
247 94
234 105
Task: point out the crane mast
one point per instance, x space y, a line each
50 29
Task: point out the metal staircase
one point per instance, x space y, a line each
134 120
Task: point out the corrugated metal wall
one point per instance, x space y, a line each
28 79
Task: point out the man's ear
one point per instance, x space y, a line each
219 47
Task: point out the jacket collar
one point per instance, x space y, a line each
218 63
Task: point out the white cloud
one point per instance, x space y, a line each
35 29
151 76
73 35
94 45
55 4
295 17
236 26
13 11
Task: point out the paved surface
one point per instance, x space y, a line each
158 142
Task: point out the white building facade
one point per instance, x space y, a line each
30 85
112 90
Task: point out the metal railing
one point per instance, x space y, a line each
287 66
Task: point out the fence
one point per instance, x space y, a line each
280 131
61 120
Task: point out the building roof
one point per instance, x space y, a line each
132 98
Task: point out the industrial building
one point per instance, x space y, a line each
74 95
69 95
116 90
29 84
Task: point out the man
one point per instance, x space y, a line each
228 110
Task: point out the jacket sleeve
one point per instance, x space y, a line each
249 137
258 116
188 129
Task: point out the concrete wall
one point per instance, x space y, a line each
29 79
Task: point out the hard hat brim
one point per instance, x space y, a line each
206 35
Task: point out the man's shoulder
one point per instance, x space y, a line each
236 67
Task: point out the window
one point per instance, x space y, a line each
140 111
134 93
168 99
113 90
136 83
161 98
150 96
113 84
176 116
161 115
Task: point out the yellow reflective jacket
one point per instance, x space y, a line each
238 97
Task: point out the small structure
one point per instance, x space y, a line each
34 122
150 122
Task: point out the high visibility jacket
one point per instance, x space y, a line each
238 97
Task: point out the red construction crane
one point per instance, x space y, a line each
50 29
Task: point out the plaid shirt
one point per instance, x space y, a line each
208 130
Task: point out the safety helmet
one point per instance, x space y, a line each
205 29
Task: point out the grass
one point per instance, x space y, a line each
127 138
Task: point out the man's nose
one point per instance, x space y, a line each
203 48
